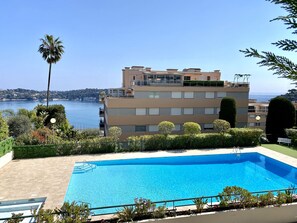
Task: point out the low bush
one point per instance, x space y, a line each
292 134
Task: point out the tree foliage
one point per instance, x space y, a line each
165 127
3 128
280 65
281 115
19 125
228 111
51 50
221 126
191 128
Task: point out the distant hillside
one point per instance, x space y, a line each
88 94
291 95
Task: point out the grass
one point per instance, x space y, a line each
282 149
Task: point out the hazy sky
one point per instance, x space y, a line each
103 36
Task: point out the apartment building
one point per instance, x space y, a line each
257 113
150 96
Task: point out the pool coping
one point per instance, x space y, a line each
49 177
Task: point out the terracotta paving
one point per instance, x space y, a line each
49 177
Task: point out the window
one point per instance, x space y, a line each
188 111
140 128
153 128
218 111
221 94
209 111
177 127
154 94
187 78
208 126
257 124
189 95
208 78
175 111
153 111
140 111
176 94
252 116
209 94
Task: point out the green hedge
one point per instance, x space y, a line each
234 137
101 145
6 146
245 136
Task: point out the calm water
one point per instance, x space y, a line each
262 97
175 177
80 114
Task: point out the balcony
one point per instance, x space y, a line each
203 83
101 112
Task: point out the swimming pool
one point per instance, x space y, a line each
117 182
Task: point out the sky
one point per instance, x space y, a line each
101 37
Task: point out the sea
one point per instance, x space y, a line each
84 115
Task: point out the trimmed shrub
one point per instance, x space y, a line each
221 126
281 115
115 132
135 143
34 151
156 142
245 136
6 146
3 128
166 127
191 128
228 111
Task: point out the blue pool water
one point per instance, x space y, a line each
116 182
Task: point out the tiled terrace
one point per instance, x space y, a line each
49 177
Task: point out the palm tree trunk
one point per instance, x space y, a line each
48 84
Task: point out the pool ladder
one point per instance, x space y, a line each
83 167
236 151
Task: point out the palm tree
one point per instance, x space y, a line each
51 50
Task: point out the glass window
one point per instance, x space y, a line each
140 111
176 94
221 94
187 78
251 124
209 94
188 111
175 111
209 111
189 95
153 128
177 127
154 94
218 111
140 128
153 111
208 126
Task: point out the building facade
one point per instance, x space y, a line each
190 95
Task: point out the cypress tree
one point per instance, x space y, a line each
228 111
281 115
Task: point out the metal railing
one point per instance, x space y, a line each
171 205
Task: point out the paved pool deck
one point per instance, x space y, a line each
49 177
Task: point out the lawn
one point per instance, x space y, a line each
281 149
